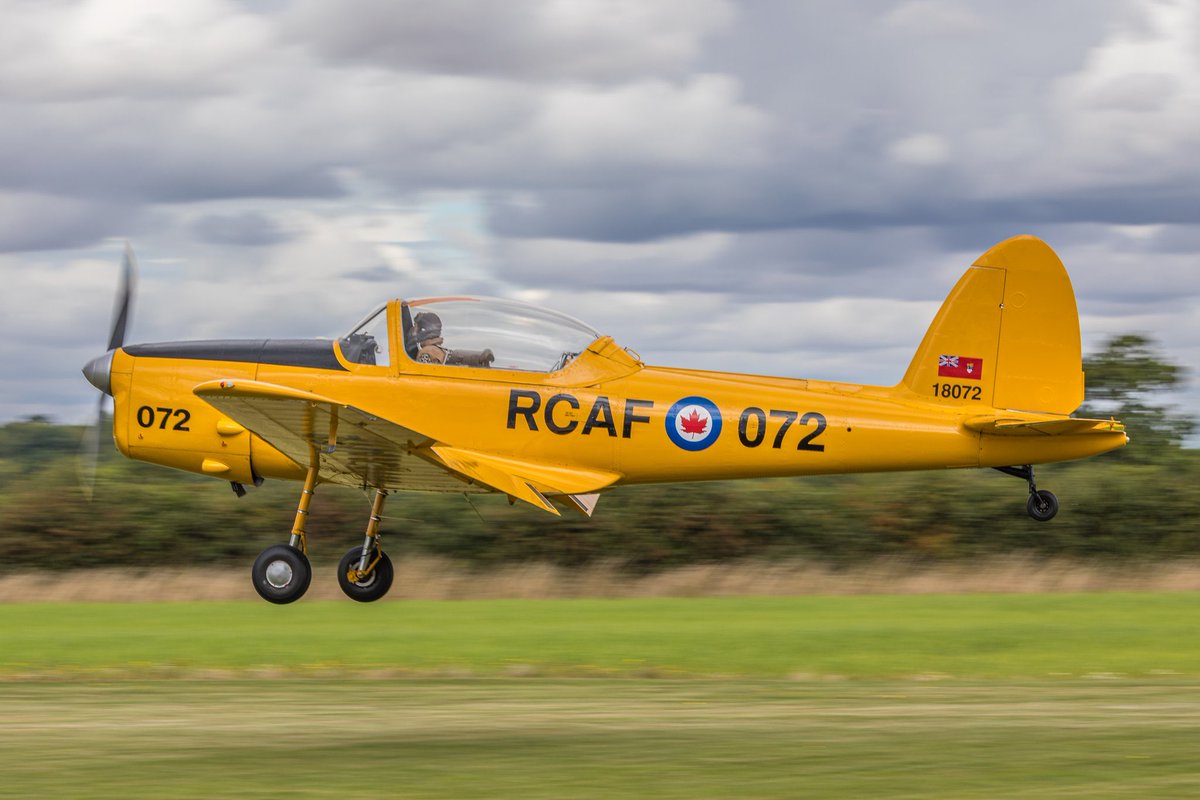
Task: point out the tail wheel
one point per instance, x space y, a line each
1042 505
281 574
376 583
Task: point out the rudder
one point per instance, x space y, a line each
1009 328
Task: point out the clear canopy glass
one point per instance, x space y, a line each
502 334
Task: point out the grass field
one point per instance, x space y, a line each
971 696
880 636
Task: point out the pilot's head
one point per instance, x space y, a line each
426 326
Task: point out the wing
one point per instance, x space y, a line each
357 448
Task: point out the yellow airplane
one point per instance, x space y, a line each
464 394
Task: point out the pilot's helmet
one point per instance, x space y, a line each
427 325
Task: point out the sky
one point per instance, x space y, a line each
786 188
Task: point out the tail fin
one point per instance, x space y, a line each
1009 328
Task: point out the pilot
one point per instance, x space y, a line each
427 333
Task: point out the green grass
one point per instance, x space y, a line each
963 636
974 696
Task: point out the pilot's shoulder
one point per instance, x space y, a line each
431 354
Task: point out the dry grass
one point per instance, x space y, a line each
435 579
732 738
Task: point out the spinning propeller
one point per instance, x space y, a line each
98 372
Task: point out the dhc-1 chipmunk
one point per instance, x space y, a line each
462 394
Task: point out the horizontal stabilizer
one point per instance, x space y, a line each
1054 426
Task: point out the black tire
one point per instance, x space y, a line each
1042 505
281 574
375 585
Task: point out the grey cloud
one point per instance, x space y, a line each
109 151
1177 239
1140 92
380 273
987 102
762 139
790 266
38 221
250 228
524 39
740 202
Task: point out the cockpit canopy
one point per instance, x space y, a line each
474 331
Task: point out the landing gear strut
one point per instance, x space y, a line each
1042 505
365 573
282 573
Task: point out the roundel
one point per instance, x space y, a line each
694 423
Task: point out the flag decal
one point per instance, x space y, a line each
960 367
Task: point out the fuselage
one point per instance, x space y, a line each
604 410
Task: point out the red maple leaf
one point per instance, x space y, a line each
693 423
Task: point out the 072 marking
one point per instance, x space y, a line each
752 428
147 416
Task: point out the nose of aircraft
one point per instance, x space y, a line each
98 371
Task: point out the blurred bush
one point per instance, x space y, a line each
148 516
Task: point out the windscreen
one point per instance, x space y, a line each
368 342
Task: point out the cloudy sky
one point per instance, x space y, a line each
779 187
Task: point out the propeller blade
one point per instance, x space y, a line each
89 452
124 302
97 373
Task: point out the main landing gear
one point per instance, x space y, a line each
1042 505
365 573
282 572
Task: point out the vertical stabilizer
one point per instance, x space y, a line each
1009 327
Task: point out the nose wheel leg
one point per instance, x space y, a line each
1042 504
365 573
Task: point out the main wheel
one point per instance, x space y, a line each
1042 505
281 574
370 588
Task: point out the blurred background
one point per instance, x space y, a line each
1124 514
773 187
766 186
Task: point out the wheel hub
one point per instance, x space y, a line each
279 574
360 578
